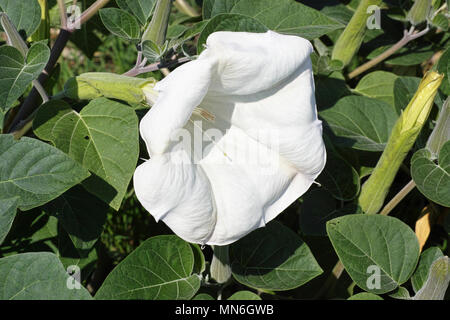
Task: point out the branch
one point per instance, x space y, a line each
89 13
139 69
398 197
408 36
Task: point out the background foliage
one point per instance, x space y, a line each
65 193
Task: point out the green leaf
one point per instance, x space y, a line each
199 259
120 23
401 293
36 231
141 9
24 14
103 137
404 90
37 276
437 283
360 122
152 51
423 269
283 16
273 258
378 85
8 209
244 295
229 22
82 216
365 296
35 171
379 252
444 68
160 268
16 73
317 208
440 21
433 179
339 177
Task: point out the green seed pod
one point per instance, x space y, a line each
402 138
419 11
351 38
93 85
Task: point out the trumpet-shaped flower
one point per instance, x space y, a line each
233 137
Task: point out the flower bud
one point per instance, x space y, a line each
419 11
441 132
43 31
351 38
157 29
402 138
93 85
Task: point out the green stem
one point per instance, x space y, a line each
398 197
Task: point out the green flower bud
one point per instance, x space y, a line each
441 132
157 29
351 38
419 11
93 85
220 265
402 138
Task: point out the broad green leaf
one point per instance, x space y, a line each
141 9
229 22
24 14
152 51
199 259
437 283
244 295
161 268
36 231
423 269
17 72
401 293
273 258
339 177
120 23
433 179
35 171
317 208
283 16
37 276
404 90
365 296
8 208
82 216
444 68
103 137
378 85
379 252
360 122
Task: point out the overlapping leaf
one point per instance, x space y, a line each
120 23
103 137
160 268
360 122
273 258
378 85
378 252
17 72
431 178
141 9
24 14
37 275
284 16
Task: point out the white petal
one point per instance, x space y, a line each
177 192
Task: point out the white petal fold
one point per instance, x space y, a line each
233 137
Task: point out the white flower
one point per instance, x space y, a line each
245 92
